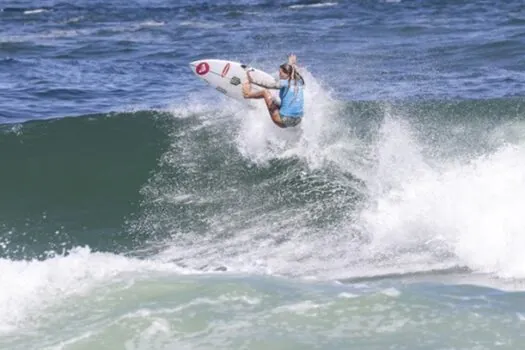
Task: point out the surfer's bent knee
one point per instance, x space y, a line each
276 118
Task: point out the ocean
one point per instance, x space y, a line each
141 209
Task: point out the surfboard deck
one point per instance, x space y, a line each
227 77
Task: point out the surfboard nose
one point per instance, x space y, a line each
194 64
200 67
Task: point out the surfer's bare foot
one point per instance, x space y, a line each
246 89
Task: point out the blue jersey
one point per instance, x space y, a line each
292 99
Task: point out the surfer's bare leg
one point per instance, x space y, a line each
270 104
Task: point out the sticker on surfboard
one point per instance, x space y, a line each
235 81
202 68
225 70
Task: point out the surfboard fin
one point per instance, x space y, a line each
247 68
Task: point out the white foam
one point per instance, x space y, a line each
347 295
391 292
152 23
471 210
35 11
318 139
202 24
72 341
74 19
300 308
29 287
317 5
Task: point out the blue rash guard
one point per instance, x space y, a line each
292 98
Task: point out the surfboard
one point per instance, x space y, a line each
227 77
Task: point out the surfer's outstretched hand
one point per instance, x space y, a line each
292 59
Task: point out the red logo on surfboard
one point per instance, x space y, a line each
225 70
202 68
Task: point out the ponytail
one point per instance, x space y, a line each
291 70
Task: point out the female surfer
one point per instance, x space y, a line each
290 85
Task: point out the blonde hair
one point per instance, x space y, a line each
292 72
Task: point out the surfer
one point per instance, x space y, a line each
289 112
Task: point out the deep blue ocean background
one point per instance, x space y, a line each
141 209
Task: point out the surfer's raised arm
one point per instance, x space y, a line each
292 59
268 85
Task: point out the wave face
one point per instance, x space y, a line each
402 187
74 180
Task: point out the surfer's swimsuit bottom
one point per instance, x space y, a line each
290 121
286 120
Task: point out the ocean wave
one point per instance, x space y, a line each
361 188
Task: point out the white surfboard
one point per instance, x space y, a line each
227 77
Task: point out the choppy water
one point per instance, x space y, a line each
139 209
